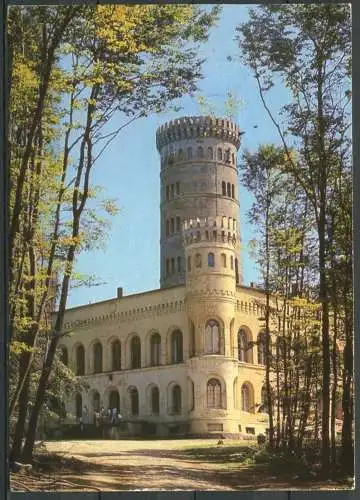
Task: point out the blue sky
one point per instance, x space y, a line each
129 171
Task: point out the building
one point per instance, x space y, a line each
179 360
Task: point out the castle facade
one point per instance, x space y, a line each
187 358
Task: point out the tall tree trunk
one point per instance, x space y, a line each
19 433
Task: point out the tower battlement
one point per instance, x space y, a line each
218 229
197 127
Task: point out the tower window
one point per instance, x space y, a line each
172 266
198 236
210 153
197 260
233 158
229 189
178 188
200 152
223 187
232 191
167 266
211 259
181 154
219 154
189 264
214 396
172 190
223 260
189 154
212 337
245 398
167 193
228 160
172 226
134 401
178 221
232 262
155 401
176 399
179 264
167 227
244 353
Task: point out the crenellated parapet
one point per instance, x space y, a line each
219 229
197 127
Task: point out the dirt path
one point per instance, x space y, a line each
157 465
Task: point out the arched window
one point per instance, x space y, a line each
235 392
116 355
233 158
135 352
114 400
155 401
245 398
155 344
177 186
167 227
178 224
223 187
98 355
172 225
173 266
78 405
64 357
80 360
200 152
223 260
189 154
236 271
228 157
167 267
229 189
189 264
167 193
261 348
134 401
219 154
212 337
213 393
180 154
176 347
96 401
232 262
179 264
176 399
211 259
243 346
232 191
191 395
263 407
210 153
197 260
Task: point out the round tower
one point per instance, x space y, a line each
198 179
211 247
